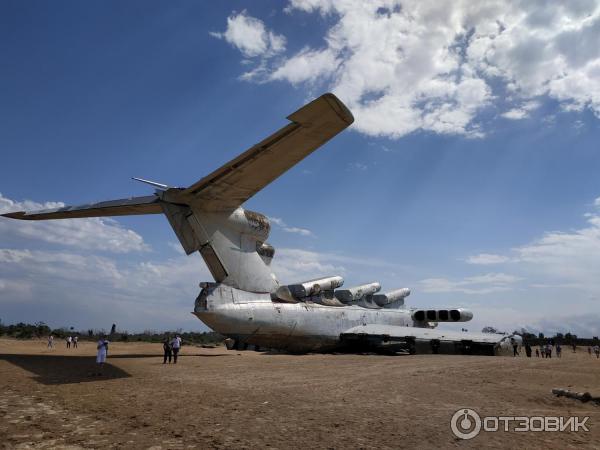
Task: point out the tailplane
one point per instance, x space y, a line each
207 216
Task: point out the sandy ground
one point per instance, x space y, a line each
214 398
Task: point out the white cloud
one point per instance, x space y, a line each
558 258
487 258
572 256
308 65
176 246
87 290
403 66
293 265
521 112
597 202
281 224
250 36
481 284
93 234
582 325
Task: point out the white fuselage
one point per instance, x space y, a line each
298 327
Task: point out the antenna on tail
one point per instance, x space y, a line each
152 183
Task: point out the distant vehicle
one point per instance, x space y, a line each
247 302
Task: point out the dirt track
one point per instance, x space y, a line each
214 398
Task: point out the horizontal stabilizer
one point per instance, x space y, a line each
238 180
123 207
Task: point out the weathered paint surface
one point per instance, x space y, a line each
303 326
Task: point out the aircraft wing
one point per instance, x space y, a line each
425 340
238 180
123 207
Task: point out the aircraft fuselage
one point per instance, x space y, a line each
254 318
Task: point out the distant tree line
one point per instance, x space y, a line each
38 330
540 338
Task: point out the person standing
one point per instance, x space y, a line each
175 345
75 339
167 351
51 342
102 346
558 350
515 347
69 339
537 353
548 351
597 351
528 349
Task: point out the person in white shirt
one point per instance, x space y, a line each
75 339
102 346
51 342
69 339
175 345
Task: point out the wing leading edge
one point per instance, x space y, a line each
236 181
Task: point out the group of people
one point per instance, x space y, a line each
171 349
70 340
545 351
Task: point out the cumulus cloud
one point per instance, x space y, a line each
92 234
480 284
521 112
308 65
250 36
408 65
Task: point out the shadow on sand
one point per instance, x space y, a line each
51 369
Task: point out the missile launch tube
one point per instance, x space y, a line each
442 315
314 287
391 297
356 293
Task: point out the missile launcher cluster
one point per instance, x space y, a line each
325 291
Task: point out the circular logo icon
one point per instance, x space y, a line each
465 423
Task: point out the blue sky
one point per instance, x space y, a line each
470 174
